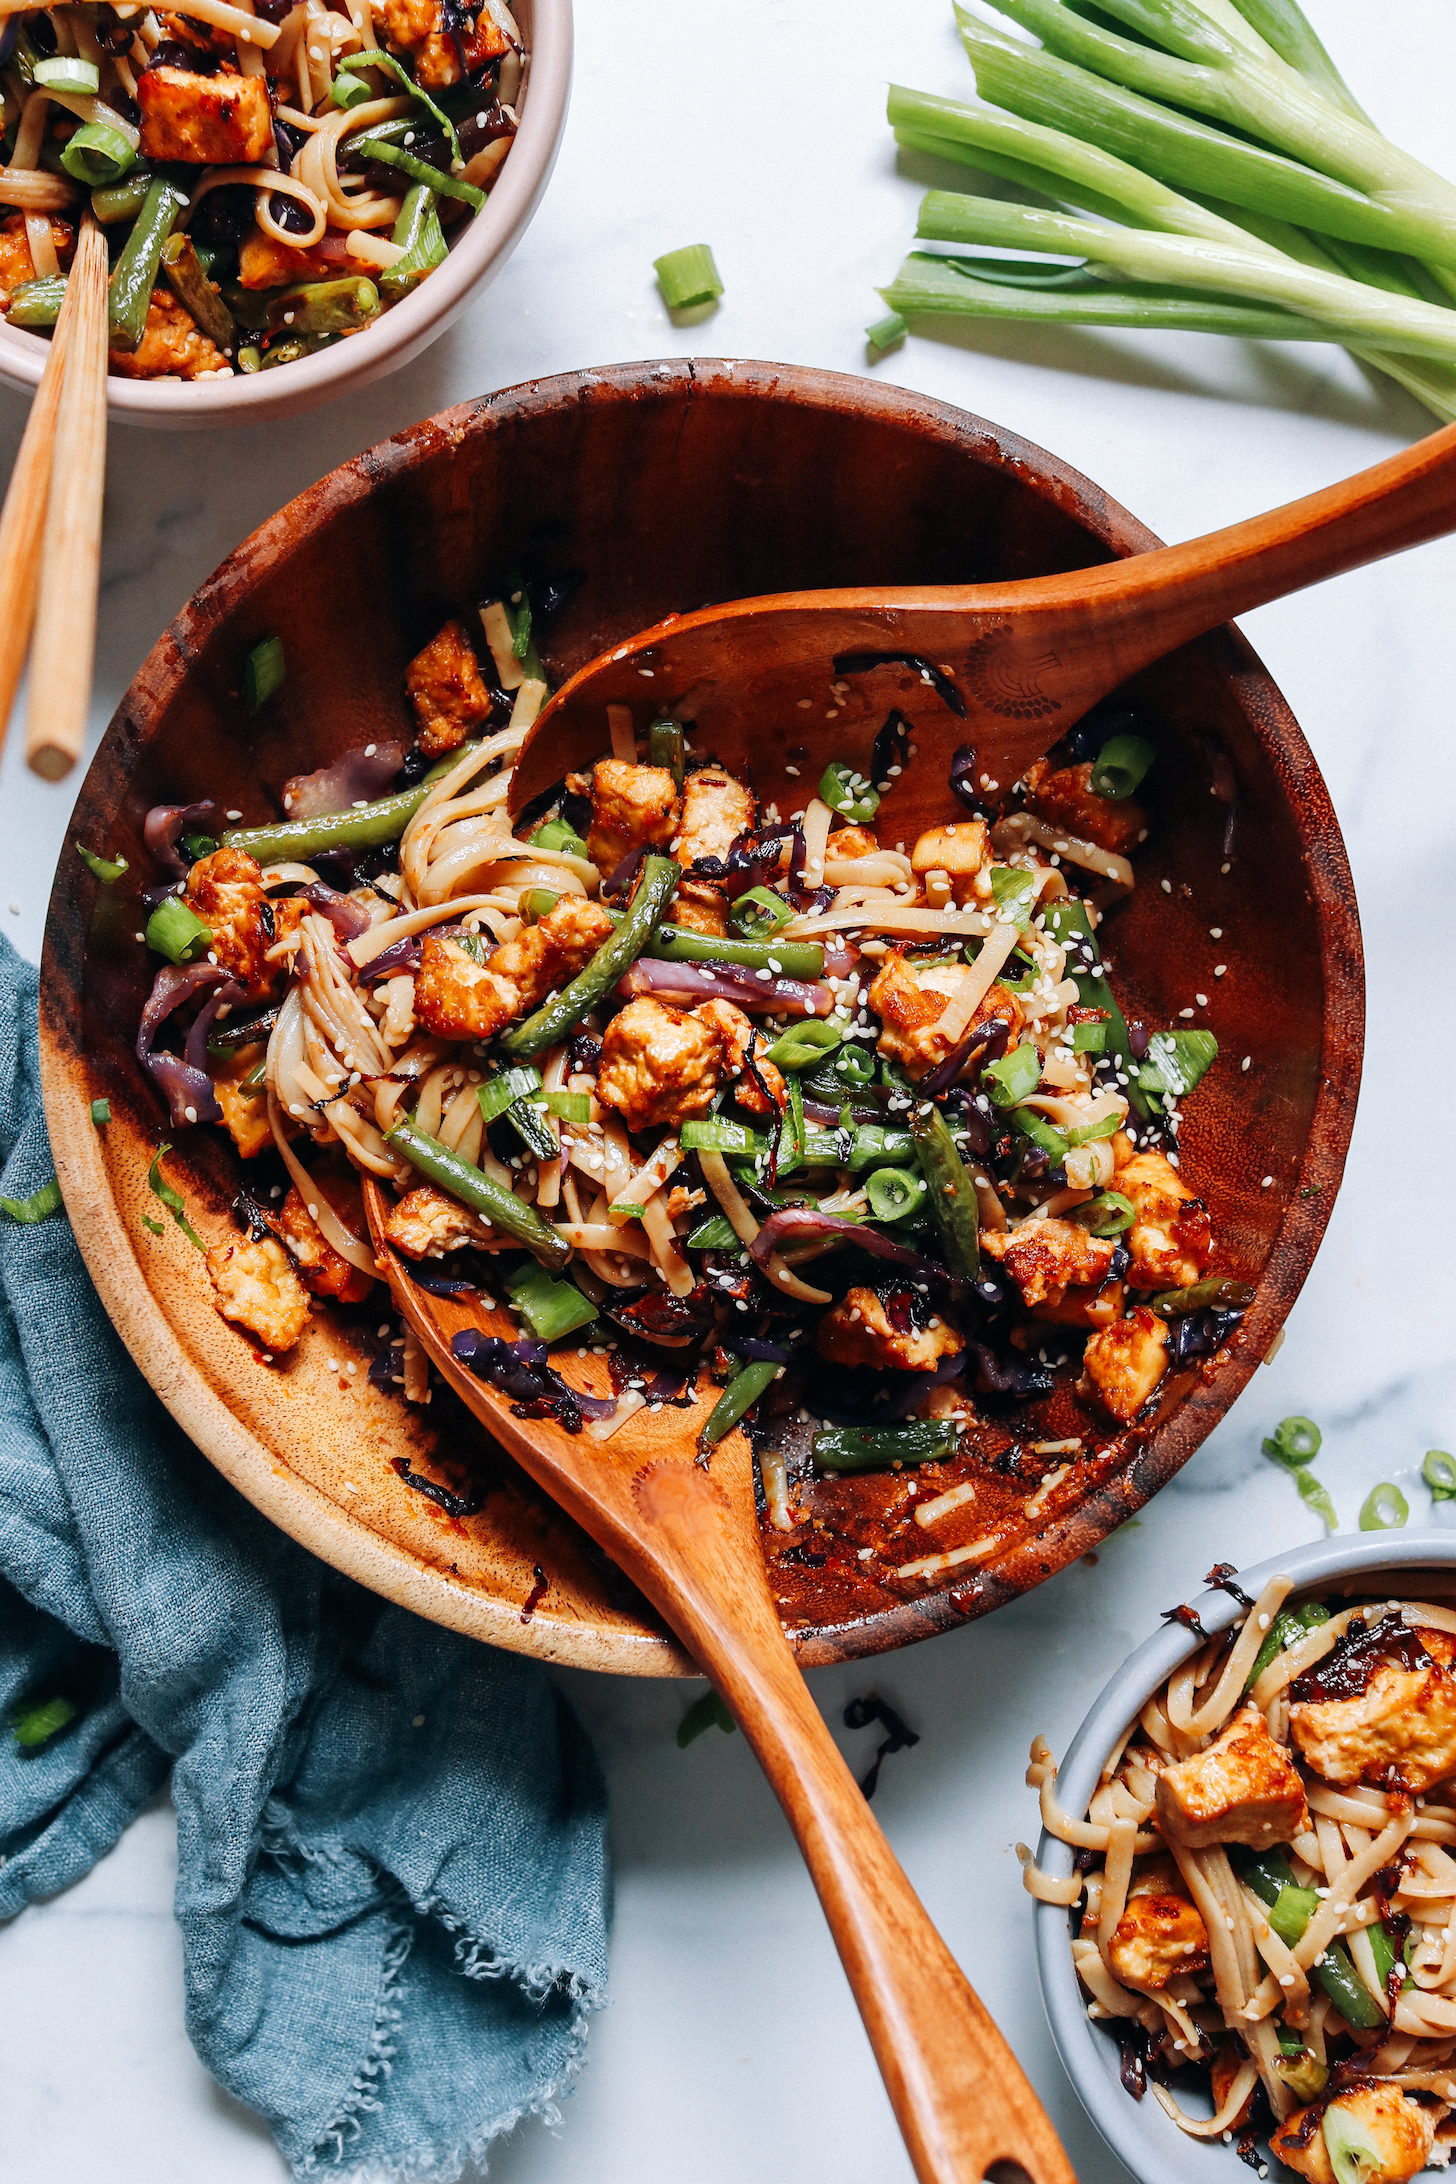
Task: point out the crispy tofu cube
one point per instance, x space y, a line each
1398 1733
659 1065
254 1284
1065 798
16 264
173 345
323 1271
426 1224
417 28
548 955
245 1113
701 911
205 121
445 688
457 998
633 807
716 809
264 263
1160 1935
860 1331
1082 1307
759 1088
226 892
1243 1789
1171 1239
1046 1258
852 842
1400 2130
1124 1363
910 1001
961 849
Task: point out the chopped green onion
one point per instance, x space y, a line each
1217 1293
263 673
708 1712
177 932
1439 1473
1108 1214
717 1233
1270 1877
1175 1062
1289 1627
500 1093
1042 1134
1120 766
81 78
665 748
569 1106
1294 1441
97 155
407 83
714 1135
886 332
1356 2155
158 1185
106 869
556 834
894 1194
851 1448
804 1045
100 1112
537 903
1091 1133
741 1393
155 1226
1090 1038
688 277
420 236
875 1145
1068 923
550 1307
35 1723
39 1206
1385 1509
1013 891
1014 1077
847 792
759 913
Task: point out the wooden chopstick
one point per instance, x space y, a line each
64 646
22 522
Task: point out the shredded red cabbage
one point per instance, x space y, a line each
162 827
405 955
185 1085
800 1224
519 1369
1008 1373
687 983
348 918
227 996
755 1348
356 777
624 873
892 748
963 784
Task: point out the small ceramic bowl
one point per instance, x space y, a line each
1146 2140
403 331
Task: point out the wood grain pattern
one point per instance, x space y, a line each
686 1533
59 693
1028 659
22 524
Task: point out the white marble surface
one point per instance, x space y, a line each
731 2048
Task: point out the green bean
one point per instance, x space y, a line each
135 272
1067 922
552 1022
552 1309
37 304
291 351
783 958
1174 1303
665 748
480 1192
419 234
370 827
419 170
952 1193
324 307
743 1390
182 271
118 201
851 1448
1271 1878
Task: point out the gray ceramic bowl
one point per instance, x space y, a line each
1138 2132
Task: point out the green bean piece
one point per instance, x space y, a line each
249 306
480 1192
665 748
292 351
537 903
952 1193
1271 1878
851 1448
323 307
551 1308
418 170
419 234
118 201
369 828
36 305
742 1391
135 273
1067 921
654 890
556 834
182 271
1289 1626
783 958
1200 1297
1301 2070
249 359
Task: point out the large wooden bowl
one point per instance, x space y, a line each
672 485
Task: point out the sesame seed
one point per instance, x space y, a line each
1225 868
1219 969
1215 932
370 749
16 909
234 815
1167 886
1267 1183
1246 1061
190 1113
1201 999
418 1722
1185 1012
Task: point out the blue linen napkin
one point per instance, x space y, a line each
393 1887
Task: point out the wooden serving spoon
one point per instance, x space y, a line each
686 1533
1008 668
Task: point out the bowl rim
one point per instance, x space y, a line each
318 1521
407 327
1143 2138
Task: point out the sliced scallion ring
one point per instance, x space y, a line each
97 155
65 73
1299 1439
1439 1473
848 793
894 1193
1120 766
1386 1509
688 277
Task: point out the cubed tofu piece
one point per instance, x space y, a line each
1046 1258
633 807
245 1113
226 892
457 998
264 263
659 1065
1401 2132
1171 1238
427 1223
445 688
701 911
546 956
1243 1789
1398 1733
860 1330
16 263
323 1271
910 1001
255 1285
716 809
852 842
173 345
1124 1363
204 121
417 27
1066 799
1082 1307
758 1085
961 849
1160 1935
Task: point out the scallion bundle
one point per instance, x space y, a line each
1210 172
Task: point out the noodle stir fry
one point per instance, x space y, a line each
272 174
1267 1887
